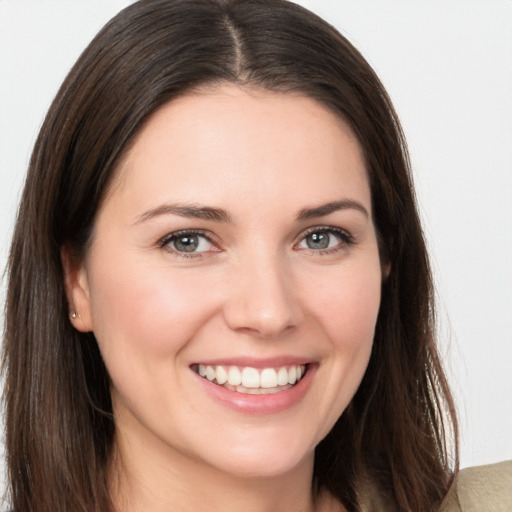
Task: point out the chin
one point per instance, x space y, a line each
264 467
262 459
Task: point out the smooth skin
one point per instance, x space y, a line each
257 270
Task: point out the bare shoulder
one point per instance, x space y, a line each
480 489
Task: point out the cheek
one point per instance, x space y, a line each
348 310
345 304
154 311
358 309
348 304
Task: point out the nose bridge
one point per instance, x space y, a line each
261 299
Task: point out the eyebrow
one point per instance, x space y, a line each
326 209
186 210
221 215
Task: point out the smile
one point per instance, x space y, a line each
251 380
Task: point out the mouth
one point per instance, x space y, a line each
252 381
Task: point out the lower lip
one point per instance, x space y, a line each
260 404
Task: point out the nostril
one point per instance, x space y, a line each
262 323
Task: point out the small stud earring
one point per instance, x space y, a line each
74 315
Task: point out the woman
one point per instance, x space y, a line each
218 286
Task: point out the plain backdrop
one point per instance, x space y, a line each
447 65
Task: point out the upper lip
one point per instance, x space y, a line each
269 362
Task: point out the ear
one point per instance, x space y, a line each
76 283
385 269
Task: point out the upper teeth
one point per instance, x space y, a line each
249 377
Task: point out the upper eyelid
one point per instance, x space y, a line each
323 228
208 235
181 232
312 229
347 239
165 243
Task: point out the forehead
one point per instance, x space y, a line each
216 142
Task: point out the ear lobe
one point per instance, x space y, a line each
76 283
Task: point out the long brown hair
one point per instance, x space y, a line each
398 433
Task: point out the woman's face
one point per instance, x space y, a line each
236 244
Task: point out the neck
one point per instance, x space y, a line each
158 481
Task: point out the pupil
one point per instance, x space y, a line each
318 241
186 243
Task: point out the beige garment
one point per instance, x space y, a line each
481 489
476 489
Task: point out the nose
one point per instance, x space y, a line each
262 300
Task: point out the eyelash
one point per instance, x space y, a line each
165 242
347 240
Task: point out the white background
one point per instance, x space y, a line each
447 65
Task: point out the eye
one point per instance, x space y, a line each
188 242
325 239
